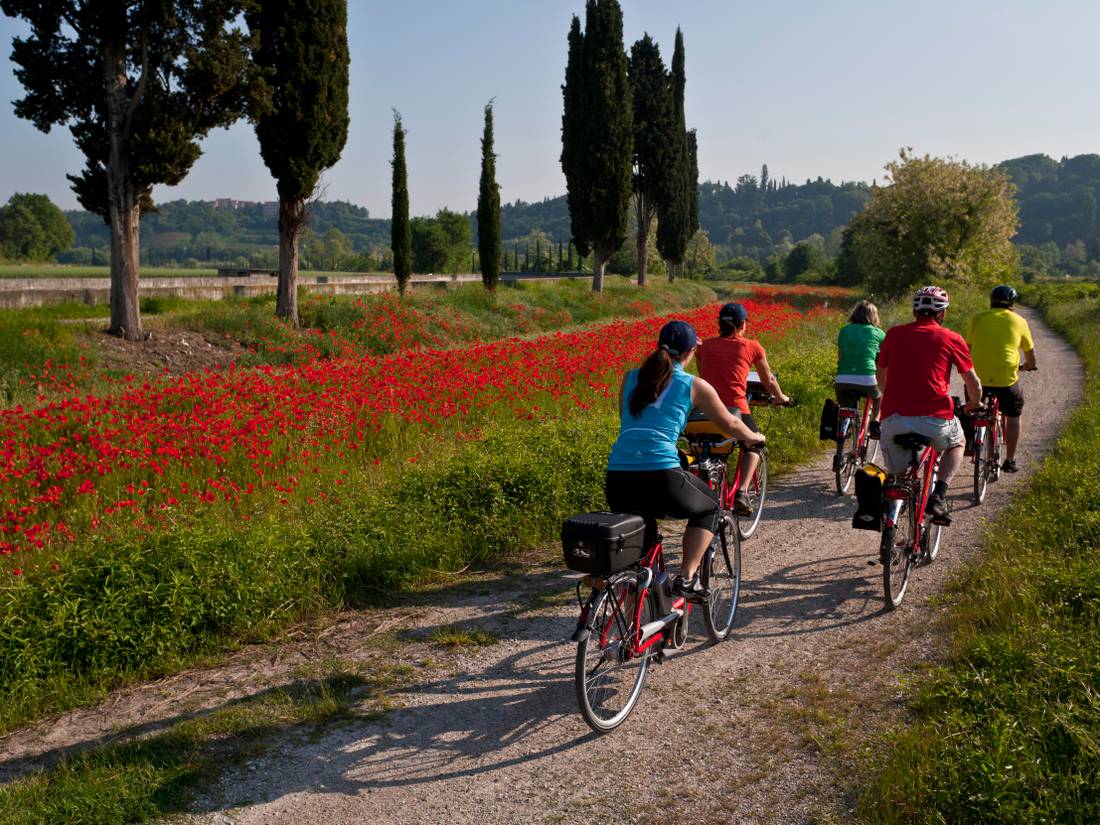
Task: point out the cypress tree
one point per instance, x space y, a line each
692 185
302 49
538 254
400 228
597 134
560 260
654 132
488 207
673 218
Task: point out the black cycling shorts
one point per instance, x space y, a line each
655 494
849 394
1011 399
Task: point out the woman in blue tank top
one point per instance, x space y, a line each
644 475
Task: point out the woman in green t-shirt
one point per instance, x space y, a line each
857 348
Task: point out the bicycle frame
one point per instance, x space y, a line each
987 419
903 489
644 637
847 415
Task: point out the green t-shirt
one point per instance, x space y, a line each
858 345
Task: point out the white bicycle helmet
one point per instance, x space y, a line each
931 298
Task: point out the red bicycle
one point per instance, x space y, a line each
907 540
854 447
988 434
630 615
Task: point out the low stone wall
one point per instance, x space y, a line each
28 292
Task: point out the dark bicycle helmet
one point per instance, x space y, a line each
1003 296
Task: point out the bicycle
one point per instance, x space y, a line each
756 490
988 423
907 541
630 614
854 446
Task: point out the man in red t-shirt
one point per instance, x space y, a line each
914 370
724 363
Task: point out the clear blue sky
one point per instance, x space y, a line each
810 88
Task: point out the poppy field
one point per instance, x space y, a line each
145 517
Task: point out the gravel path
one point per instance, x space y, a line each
762 728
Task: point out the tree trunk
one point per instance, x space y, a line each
641 212
291 215
599 263
123 201
671 271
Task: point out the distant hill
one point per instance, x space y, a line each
756 217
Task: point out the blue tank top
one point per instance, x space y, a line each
648 442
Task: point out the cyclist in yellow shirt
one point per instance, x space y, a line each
996 337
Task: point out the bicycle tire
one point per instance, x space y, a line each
896 555
870 450
995 466
722 576
930 542
981 468
757 492
846 465
607 695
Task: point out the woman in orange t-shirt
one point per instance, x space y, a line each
724 363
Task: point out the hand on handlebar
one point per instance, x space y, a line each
1025 368
756 440
972 405
781 400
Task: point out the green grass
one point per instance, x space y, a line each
1009 729
455 636
141 779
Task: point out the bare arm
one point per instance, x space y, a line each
770 382
705 397
973 390
1029 360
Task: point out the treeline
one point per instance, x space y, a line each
1059 222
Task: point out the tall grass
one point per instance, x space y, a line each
1009 729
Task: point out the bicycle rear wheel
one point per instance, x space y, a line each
982 446
608 678
756 489
846 461
870 449
995 454
722 576
896 555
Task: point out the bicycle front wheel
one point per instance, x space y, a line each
722 576
608 676
756 489
846 461
896 555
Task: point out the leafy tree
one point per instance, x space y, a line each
938 221
33 229
804 257
654 134
400 230
302 48
441 244
674 216
137 84
700 256
488 208
597 134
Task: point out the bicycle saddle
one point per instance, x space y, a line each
912 441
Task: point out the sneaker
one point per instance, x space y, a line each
1009 466
691 589
741 506
937 506
874 429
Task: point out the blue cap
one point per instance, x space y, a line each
735 313
676 338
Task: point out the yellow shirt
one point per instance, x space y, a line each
996 338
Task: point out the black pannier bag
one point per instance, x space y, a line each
602 543
869 483
830 420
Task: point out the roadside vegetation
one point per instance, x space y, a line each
1009 729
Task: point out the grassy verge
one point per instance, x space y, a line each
1009 729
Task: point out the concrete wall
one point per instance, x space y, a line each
27 292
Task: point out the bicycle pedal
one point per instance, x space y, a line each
659 657
942 521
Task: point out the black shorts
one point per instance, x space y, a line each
655 494
1011 399
849 394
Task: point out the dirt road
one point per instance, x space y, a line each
761 728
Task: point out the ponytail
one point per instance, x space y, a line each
653 377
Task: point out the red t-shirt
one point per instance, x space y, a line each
724 363
918 358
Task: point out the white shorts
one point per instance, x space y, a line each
944 432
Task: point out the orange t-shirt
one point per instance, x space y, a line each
724 363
